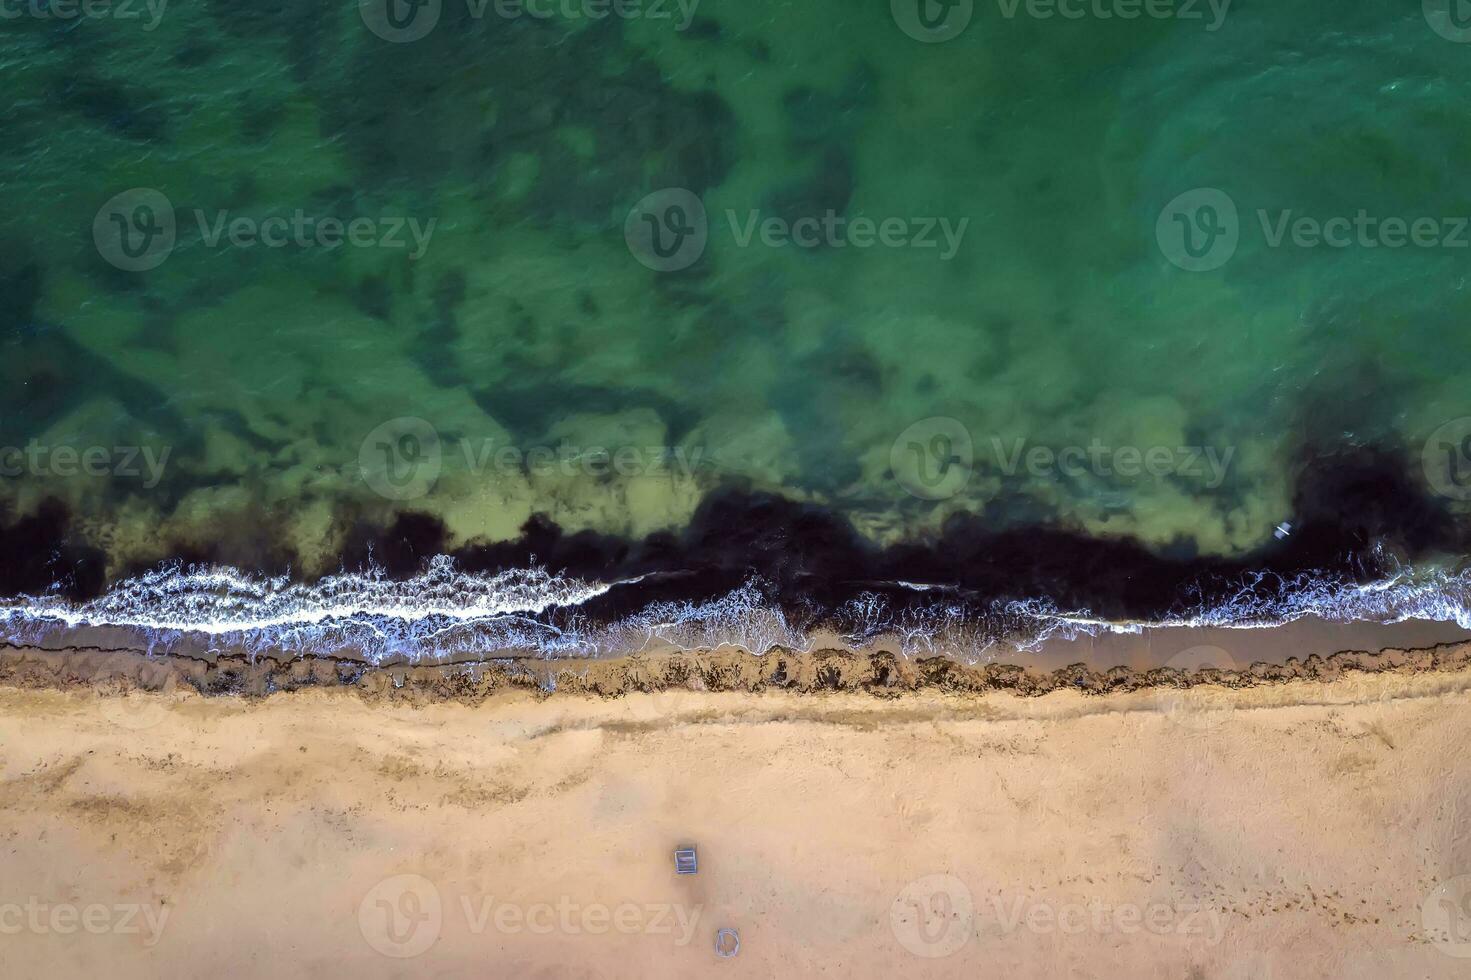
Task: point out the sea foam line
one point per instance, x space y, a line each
215 600
446 613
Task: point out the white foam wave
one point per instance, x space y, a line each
1263 602
226 600
443 613
446 614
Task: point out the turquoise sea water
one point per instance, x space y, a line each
1182 279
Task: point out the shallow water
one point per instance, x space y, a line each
789 314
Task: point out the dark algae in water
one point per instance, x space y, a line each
570 327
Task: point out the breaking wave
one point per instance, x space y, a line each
445 614
439 615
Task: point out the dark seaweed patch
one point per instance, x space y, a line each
599 133
817 118
703 28
20 290
374 297
827 188
822 130
130 113
39 555
528 410
401 549
46 373
1358 511
300 25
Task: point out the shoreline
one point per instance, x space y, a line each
881 674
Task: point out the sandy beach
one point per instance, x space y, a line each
1305 828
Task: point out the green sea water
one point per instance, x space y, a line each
1121 266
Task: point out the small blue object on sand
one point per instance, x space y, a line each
684 861
727 943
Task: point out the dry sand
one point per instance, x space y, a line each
1296 829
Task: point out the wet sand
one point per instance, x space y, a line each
1294 828
140 653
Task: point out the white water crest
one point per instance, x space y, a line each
448 614
442 613
226 600
950 626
